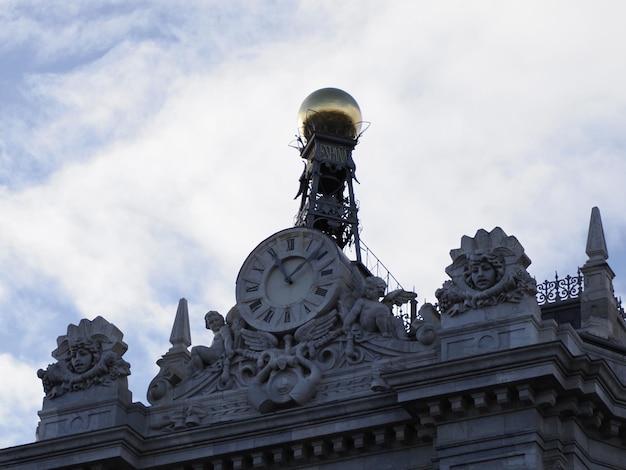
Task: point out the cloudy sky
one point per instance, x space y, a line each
144 151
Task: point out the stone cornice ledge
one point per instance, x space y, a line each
537 374
114 444
295 432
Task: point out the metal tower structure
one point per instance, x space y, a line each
329 124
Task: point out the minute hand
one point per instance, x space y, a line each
299 267
278 262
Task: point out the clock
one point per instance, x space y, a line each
290 278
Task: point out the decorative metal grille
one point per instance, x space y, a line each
560 290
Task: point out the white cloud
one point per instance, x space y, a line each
20 395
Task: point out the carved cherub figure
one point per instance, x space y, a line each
374 316
221 347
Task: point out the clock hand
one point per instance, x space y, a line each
301 265
278 262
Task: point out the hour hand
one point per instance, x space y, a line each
278 262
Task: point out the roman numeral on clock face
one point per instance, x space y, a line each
268 315
255 305
321 291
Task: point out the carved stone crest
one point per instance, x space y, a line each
486 270
90 354
284 369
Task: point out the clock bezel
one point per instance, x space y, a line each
322 261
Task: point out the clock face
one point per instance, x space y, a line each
290 278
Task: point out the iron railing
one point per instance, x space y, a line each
377 268
560 289
548 292
567 288
408 312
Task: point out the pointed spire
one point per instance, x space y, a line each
596 243
181 334
599 315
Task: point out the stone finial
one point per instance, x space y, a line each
181 333
596 243
598 307
173 364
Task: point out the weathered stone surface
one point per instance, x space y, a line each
87 388
280 370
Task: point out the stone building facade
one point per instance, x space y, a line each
486 379
316 366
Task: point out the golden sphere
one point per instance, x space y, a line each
330 111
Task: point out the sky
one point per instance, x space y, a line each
145 151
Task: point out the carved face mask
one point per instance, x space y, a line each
483 275
81 360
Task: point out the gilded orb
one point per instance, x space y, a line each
330 111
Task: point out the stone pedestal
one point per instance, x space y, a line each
87 410
489 329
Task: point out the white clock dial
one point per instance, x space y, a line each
290 278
